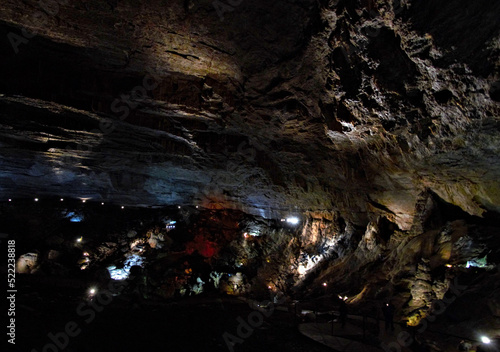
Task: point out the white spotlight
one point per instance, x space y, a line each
293 220
92 291
62 199
36 199
10 200
485 339
324 284
123 207
80 239
102 203
84 200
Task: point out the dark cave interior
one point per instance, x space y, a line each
247 176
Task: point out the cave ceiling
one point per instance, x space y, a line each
356 107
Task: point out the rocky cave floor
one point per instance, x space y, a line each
192 324
197 265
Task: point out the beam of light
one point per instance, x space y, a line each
293 220
485 339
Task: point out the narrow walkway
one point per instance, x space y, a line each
357 335
347 339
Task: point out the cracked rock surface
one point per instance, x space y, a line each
356 107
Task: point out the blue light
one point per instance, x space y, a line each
122 274
73 216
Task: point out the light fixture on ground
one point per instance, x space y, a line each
292 220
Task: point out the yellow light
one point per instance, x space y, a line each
449 266
80 239
324 284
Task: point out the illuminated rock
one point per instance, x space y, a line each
27 263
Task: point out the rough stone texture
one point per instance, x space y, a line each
376 121
357 107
